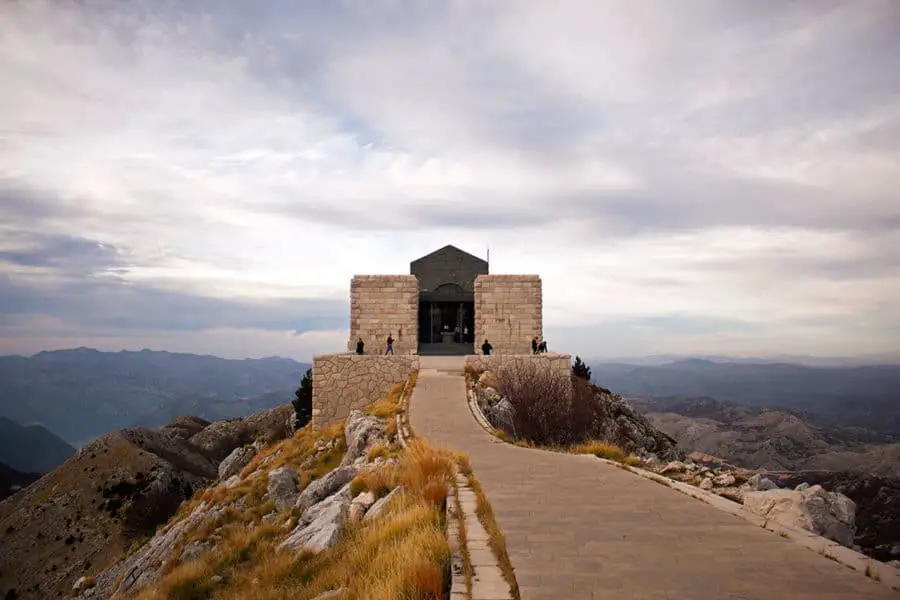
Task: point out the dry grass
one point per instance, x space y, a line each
496 539
601 449
871 574
404 553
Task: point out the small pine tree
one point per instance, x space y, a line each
303 401
579 369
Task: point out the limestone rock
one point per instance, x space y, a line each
196 549
724 480
362 432
360 505
758 483
379 506
706 484
283 487
320 527
82 584
824 513
320 489
234 462
488 380
676 466
330 594
221 437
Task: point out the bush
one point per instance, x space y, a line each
303 400
550 409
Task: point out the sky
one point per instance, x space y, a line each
207 176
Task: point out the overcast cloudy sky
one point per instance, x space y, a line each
207 176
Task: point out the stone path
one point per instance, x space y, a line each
577 528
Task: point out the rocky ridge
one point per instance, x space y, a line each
112 494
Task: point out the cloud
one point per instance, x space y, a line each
724 175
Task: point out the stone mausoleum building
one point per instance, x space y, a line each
448 304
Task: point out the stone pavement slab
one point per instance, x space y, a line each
578 528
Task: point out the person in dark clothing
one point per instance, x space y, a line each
360 345
390 344
486 348
534 345
542 347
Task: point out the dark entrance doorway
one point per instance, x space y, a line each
446 327
447 300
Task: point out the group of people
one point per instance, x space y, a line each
536 346
361 345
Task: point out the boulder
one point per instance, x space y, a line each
758 483
676 466
362 432
502 415
824 513
321 526
234 462
379 506
488 380
706 484
724 480
320 489
330 594
360 505
283 488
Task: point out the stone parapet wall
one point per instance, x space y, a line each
508 312
382 305
344 382
558 364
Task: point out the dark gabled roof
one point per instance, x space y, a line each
449 249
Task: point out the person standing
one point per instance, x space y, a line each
390 344
486 348
360 346
534 345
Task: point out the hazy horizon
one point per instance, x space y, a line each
716 179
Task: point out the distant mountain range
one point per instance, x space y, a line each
82 393
31 449
862 396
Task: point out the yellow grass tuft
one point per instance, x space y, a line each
601 449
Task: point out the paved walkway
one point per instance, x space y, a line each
577 528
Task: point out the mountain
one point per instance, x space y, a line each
863 396
769 438
11 480
83 393
115 492
31 449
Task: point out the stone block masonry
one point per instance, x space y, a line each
382 305
508 312
344 382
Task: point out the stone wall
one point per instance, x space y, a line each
382 305
508 312
559 364
343 382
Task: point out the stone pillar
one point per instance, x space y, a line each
508 312
382 305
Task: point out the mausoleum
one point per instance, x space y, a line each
448 304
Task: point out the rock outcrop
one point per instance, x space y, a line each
362 432
234 462
283 488
320 527
812 508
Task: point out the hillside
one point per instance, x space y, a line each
31 449
82 393
865 396
113 493
11 480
